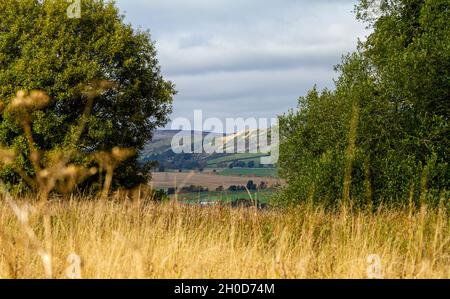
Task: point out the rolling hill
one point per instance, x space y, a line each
160 150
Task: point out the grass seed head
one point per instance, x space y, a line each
7 156
121 154
33 101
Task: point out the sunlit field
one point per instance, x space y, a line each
121 238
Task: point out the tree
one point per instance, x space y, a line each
233 188
263 185
251 185
382 134
42 49
240 164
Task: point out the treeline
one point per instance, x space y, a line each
382 136
251 186
170 160
185 161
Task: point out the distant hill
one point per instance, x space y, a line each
160 149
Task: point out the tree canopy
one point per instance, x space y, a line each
383 134
41 48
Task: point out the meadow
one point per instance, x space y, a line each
121 238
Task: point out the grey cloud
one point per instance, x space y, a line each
227 58
228 85
246 57
246 94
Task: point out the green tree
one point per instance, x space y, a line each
42 49
251 185
383 133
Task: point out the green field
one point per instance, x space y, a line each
261 196
257 172
236 157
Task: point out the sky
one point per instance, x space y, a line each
246 58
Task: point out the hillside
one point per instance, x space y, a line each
160 150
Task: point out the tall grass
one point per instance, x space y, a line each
121 238
127 236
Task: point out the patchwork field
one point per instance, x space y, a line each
247 157
226 197
250 172
164 180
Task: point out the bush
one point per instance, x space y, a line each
42 49
382 134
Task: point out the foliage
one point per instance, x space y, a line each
383 134
251 185
41 48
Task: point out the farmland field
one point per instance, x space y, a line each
226 197
250 172
164 180
236 157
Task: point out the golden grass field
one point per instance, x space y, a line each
125 239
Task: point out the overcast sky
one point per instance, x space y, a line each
246 58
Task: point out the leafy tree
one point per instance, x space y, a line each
263 185
382 134
42 49
251 185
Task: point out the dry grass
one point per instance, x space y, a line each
131 240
